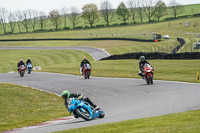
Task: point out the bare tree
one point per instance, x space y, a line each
160 9
42 19
149 8
74 16
3 18
90 13
19 17
140 11
107 11
132 5
33 18
64 13
176 8
123 12
55 18
12 21
25 21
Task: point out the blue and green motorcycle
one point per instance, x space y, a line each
83 109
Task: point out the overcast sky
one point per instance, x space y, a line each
48 5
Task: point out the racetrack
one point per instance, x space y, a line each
96 53
120 98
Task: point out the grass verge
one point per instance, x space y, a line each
186 122
173 70
23 106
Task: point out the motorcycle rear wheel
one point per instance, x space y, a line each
85 115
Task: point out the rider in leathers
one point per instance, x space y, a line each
66 95
84 61
141 65
20 63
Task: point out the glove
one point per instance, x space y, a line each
80 97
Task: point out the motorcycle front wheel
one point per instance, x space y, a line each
83 113
151 79
101 113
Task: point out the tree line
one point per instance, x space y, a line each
28 19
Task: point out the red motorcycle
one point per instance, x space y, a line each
86 71
148 73
22 69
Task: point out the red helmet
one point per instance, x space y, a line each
84 58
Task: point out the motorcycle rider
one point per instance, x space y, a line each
66 95
19 64
84 61
28 61
141 64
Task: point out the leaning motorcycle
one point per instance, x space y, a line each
148 73
83 109
22 69
86 71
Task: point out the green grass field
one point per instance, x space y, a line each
43 58
119 47
188 10
187 122
68 62
23 106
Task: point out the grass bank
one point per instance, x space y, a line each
43 58
172 70
68 62
23 106
187 122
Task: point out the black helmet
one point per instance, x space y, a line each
142 58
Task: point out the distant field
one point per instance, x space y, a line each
119 47
188 10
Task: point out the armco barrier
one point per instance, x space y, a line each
186 55
79 39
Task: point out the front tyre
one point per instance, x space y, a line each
101 113
83 113
151 79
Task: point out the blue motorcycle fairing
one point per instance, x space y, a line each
83 106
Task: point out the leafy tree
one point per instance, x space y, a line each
19 17
123 12
42 19
132 4
160 9
176 8
64 13
140 10
74 16
107 11
12 21
149 8
55 18
3 19
90 13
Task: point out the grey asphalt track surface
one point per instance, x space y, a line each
120 98
96 53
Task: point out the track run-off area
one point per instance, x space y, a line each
120 98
